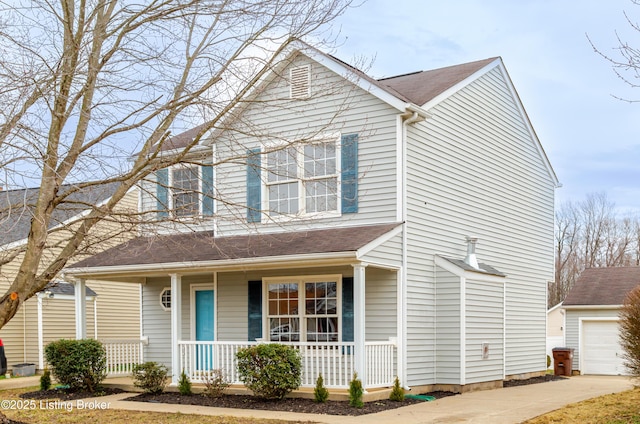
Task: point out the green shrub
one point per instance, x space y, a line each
184 385
355 392
79 364
320 393
150 377
548 361
630 331
45 380
397 393
215 383
270 370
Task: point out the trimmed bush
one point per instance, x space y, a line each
184 384
320 393
355 392
150 377
397 393
270 370
79 364
630 331
45 380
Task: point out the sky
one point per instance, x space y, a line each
569 91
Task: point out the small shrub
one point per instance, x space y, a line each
45 380
79 364
630 331
397 393
270 370
320 393
184 384
150 377
215 383
548 361
355 392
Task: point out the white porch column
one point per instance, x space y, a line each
40 335
176 326
81 309
359 321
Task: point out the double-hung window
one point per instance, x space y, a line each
185 189
304 309
303 179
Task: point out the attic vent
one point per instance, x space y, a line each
300 78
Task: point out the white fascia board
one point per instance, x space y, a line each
338 258
469 275
591 307
367 248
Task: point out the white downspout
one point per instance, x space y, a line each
40 335
401 155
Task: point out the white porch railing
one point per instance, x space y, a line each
335 361
122 355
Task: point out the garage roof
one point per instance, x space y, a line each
603 286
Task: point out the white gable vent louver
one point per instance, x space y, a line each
300 78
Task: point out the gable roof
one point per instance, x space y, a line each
603 286
421 87
16 208
203 246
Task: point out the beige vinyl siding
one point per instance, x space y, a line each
475 170
381 305
17 347
447 327
232 306
156 322
484 304
118 309
281 119
572 329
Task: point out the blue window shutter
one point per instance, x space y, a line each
349 154
207 190
162 192
255 310
254 186
347 309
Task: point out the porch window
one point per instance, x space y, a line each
303 179
304 309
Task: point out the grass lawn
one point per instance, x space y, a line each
617 408
110 416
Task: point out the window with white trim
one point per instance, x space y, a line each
185 190
303 179
165 298
304 308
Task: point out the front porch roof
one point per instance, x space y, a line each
202 250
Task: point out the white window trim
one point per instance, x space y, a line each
170 192
165 289
192 307
268 148
301 280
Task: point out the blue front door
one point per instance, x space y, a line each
204 328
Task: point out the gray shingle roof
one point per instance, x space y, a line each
603 286
484 268
16 208
203 246
62 287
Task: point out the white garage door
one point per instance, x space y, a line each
601 351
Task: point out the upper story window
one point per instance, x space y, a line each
185 191
303 179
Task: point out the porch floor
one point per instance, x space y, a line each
126 384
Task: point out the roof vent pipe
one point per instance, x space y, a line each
471 258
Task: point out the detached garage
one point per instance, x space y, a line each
592 308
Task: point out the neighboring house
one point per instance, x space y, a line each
333 212
555 329
113 310
592 307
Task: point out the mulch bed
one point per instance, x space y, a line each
534 380
287 404
65 394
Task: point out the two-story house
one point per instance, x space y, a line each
341 214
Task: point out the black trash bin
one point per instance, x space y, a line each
562 360
3 359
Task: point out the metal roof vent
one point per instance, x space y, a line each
471 258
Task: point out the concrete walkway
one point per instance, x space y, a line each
509 405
